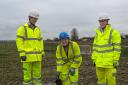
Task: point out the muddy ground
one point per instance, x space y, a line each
11 71
11 68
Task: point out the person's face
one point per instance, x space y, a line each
64 42
33 20
103 23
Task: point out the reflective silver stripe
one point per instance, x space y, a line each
20 36
110 36
77 56
59 58
29 38
68 59
33 52
32 38
72 48
65 79
42 50
73 82
76 62
24 68
37 78
101 46
103 51
118 44
64 59
26 34
60 64
36 81
102 84
21 51
61 50
115 49
29 82
106 45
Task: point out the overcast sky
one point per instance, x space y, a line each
62 15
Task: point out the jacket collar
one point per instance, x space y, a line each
107 28
27 25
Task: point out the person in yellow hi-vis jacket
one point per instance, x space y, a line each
106 52
68 60
31 50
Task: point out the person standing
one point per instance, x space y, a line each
106 51
29 43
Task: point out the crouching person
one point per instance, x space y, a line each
68 60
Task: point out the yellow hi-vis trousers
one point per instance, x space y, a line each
32 73
68 79
106 76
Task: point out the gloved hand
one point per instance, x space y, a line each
23 58
115 64
72 71
42 56
93 61
58 74
58 80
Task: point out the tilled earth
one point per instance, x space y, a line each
11 71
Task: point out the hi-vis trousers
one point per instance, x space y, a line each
106 76
32 73
68 79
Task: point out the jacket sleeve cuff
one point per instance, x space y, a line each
22 54
74 66
43 53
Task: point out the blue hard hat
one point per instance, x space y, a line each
63 35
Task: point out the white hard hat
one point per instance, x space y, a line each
34 13
104 16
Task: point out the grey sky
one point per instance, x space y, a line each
62 15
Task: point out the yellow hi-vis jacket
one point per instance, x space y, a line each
73 59
29 43
106 47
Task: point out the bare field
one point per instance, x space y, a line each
11 68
